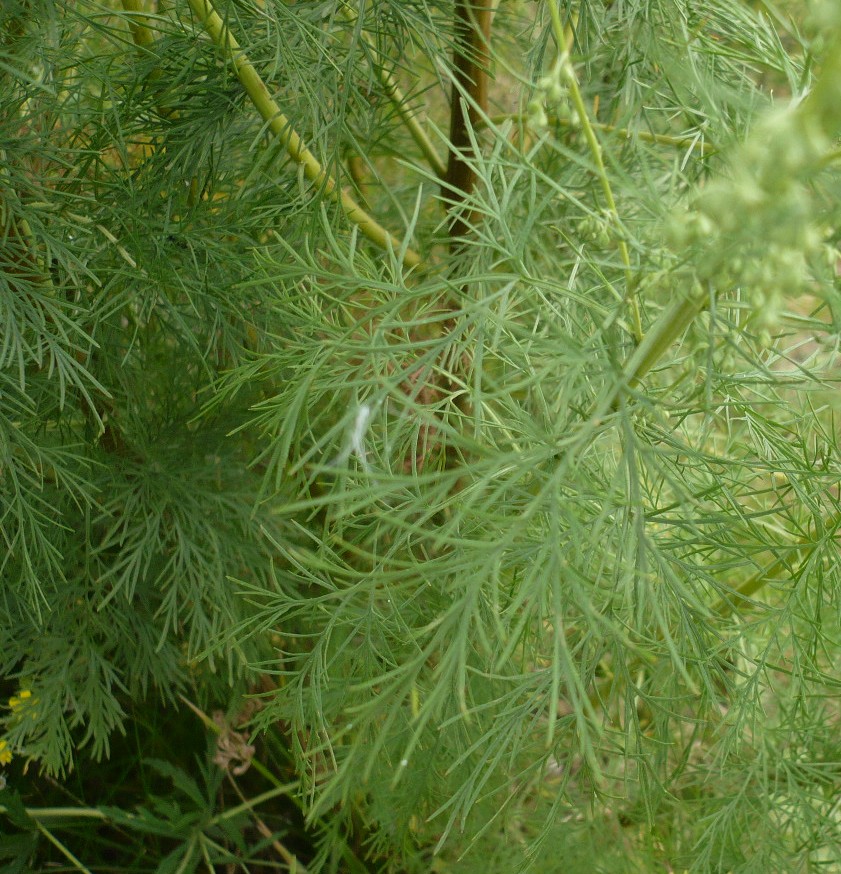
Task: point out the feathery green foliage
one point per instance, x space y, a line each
502 460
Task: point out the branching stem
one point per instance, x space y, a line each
76 863
820 107
281 127
753 584
399 101
248 805
566 68
704 148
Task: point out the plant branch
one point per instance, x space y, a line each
741 596
248 805
564 65
62 849
820 108
669 326
258 766
398 100
704 148
471 58
39 813
281 127
760 579
290 859
141 32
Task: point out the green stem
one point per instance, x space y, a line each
290 858
760 579
41 813
565 65
249 804
821 107
669 326
141 33
280 126
824 101
62 849
831 157
10 226
398 100
743 594
622 132
258 766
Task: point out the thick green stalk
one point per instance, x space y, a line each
660 336
824 101
741 596
141 32
398 99
565 66
281 127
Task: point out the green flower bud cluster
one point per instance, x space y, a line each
755 229
536 114
552 93
595 229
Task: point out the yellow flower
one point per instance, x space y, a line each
5 753
19 701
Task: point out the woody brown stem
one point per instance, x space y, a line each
469 100
468 107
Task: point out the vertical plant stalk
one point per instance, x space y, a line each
356 169
141 32
398 100
565 68
824 102
471 60
144 36
281 127
21 256
468 104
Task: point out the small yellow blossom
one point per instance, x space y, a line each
5 753
19 701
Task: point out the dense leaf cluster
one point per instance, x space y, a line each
548 516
